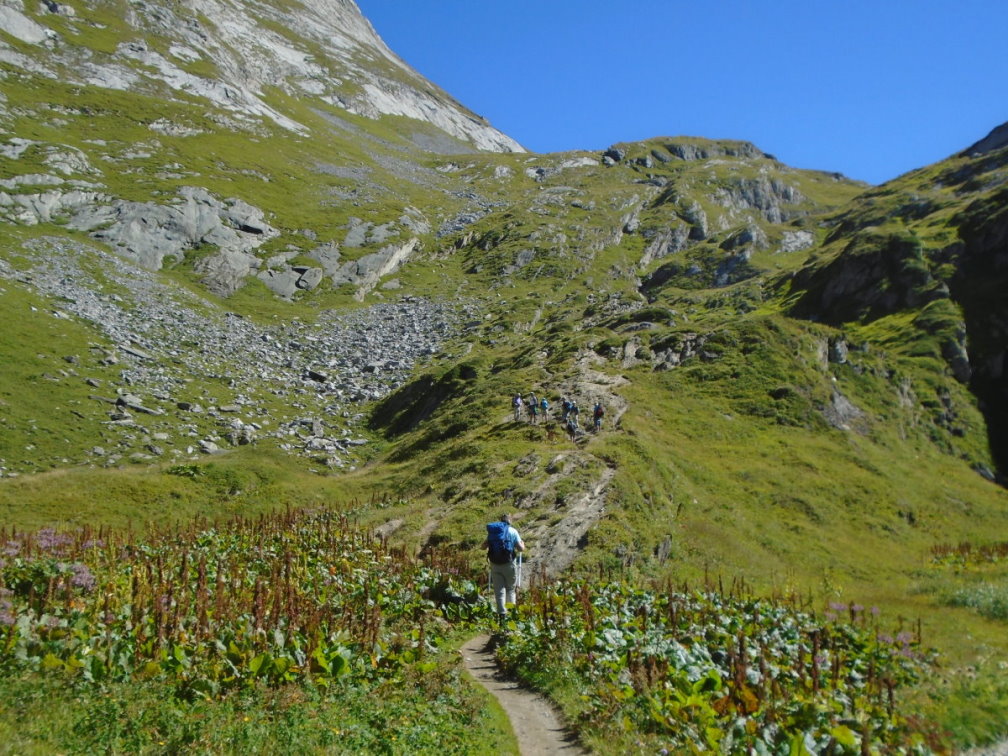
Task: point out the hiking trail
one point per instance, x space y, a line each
535 723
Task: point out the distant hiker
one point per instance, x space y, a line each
503 544
574 413
516 404
565 406
544 408
550 432
597 414
572 429
533 408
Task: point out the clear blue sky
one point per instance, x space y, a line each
870 89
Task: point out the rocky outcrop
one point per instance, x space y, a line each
767 195
147 233
705 150
365 273
664 242
751 237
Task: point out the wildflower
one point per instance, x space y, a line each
837 606
82 577
49 540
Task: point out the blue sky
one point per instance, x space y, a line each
870 89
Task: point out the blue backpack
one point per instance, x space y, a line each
501 543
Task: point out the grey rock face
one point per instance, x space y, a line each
225 272
707 150
795 241
615 154
665 242
841 413
368 270
763 194
752 237
694 214
838 351
147 233
328 256
21 27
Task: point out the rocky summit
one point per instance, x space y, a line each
244 244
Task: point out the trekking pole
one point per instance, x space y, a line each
518 572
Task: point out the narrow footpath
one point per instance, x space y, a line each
533 719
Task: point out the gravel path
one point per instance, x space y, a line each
533 719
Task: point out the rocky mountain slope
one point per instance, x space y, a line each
251 228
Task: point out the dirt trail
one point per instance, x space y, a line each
536 725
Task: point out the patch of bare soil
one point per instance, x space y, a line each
556 546
536 724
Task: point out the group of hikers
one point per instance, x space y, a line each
536 409
503 543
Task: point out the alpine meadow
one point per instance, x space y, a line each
268 298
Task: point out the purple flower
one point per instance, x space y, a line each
11 548
885 638
93 543
904 637
6 615
875 611
856 608
82 577
837 606
49 540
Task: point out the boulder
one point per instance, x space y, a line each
615 154
282 283
328 256
225 272
309 277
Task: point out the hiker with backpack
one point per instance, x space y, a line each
544 408
533 408
503 544
516 404
565 405
597 414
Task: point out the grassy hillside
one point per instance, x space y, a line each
803 376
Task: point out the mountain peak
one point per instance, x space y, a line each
997 139
237 57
